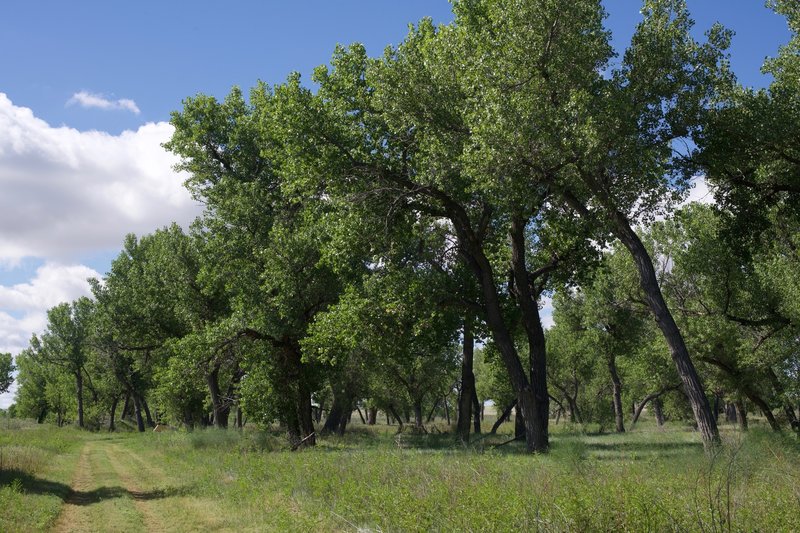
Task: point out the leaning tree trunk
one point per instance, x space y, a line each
692 385
534 401
536 437
149 417
617 393
465 399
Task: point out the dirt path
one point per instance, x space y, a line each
115 489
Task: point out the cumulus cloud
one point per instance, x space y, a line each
68 193
700 192
98 101
23 306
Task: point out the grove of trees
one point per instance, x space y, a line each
362 235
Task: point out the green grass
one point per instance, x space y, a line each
374 480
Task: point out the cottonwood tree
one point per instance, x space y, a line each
602 138
6 371
266 240
64 344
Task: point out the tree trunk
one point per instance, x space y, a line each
534 401
418 421
617 393
519 423
79 390
126 407
239 424
432 413
503 417
658 411
741 414
150 422
730 413
637 413
447 410
137 409
477 410
759 401
396 416
472 251
465 399
666 323
335 414
221 411
361 416
372 416
114 402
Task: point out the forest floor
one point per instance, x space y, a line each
650 479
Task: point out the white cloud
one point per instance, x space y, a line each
67 193
700 192
52 284
98 101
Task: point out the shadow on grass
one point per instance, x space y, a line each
29 484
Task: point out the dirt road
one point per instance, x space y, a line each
115 489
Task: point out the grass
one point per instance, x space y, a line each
373 480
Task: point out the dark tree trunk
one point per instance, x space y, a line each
335 414
472 251
361 416
534 401
126 407
219 406
42 416
503 417
477 410
741 414
396 416
666 323
465 399
372 416
150 422
447 410
239 423
432 412
730 413
519 423
137 409
616 385
759 401
418 421
658 411
296 411
650 397
111 424
79 390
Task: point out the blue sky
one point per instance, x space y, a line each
86 89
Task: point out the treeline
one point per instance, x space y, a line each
360 236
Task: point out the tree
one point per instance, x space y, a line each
266 242
65 344
6 371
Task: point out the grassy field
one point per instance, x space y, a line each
374 480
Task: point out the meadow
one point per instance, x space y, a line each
650 479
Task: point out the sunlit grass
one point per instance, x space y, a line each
374 479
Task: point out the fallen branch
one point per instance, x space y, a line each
303 440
